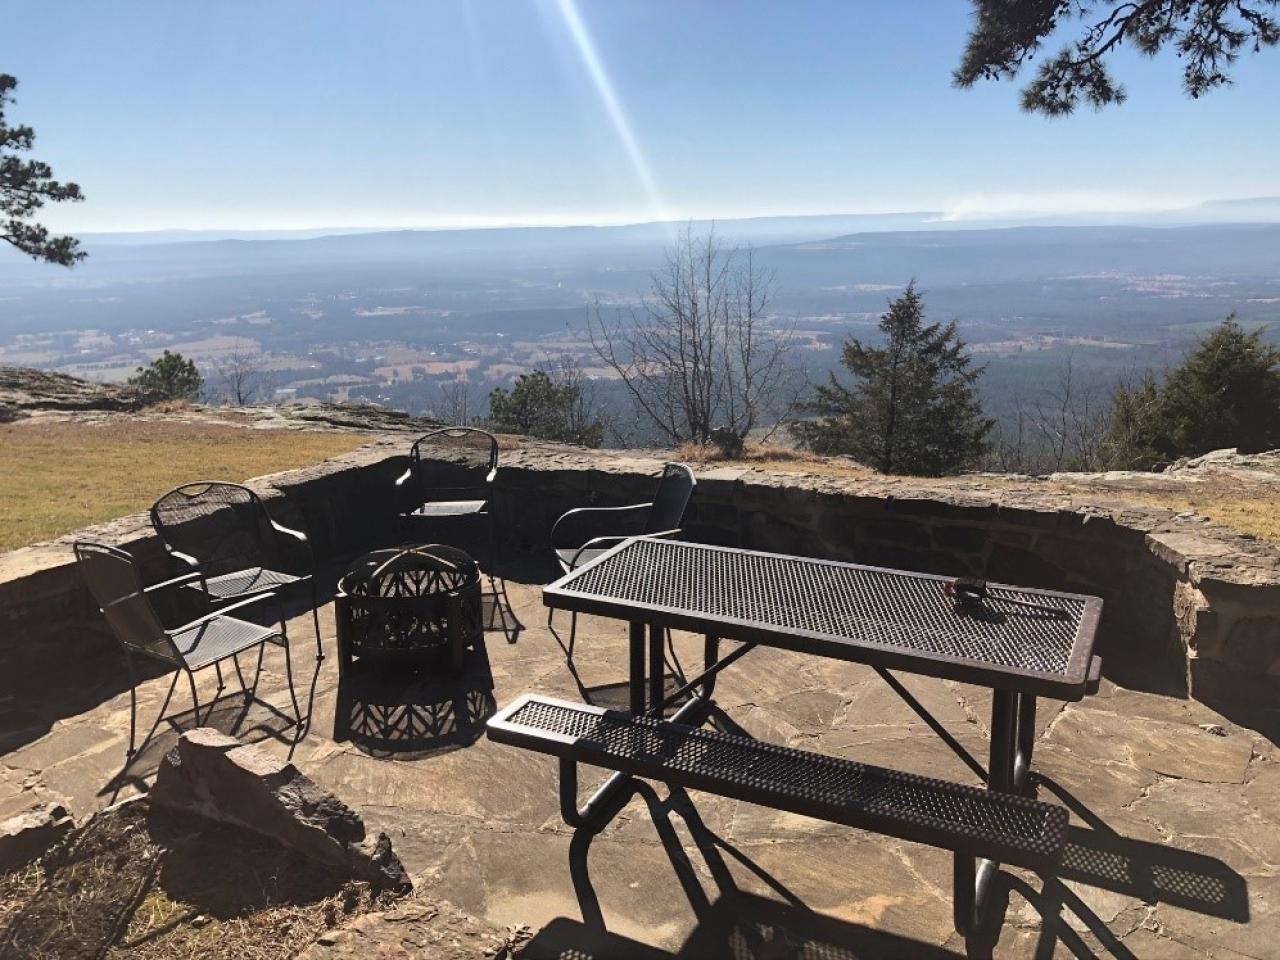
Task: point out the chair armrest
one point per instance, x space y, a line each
595 515
596 543
223 611
186 558
289 531
172 582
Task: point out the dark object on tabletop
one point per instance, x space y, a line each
409 605
584 533
224 533
449 484
966 591
208 641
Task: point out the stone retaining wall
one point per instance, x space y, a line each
1191 608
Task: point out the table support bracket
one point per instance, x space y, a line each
706 679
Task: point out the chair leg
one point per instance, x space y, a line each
133 706
297 711
217 668
235 660
257 671
573 631
164 705
315 617
195 697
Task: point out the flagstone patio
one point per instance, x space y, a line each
1175 850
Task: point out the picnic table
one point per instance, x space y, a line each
1019 642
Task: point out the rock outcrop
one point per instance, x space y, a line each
30 834
23 390
216 776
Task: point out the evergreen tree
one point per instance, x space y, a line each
550 409
912 407
25 186
1208 36
170 376
1226 393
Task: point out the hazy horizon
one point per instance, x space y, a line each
324 116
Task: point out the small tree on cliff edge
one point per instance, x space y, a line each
170 376
25 186
552 406
912 407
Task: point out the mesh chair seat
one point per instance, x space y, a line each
215 640
112 577
570 559
451 508
245 582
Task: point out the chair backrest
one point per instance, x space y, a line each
452 461
675 489
112 578
223 525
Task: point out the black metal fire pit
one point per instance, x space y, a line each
409 605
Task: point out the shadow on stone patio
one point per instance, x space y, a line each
251 719
739 923
390 712
1149 872
735 924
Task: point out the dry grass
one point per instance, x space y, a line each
773 456
150 886
60 476
1258 515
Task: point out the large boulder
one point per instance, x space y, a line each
216 776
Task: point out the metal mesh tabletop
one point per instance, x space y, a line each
783 600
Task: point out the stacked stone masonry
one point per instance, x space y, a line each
1191 609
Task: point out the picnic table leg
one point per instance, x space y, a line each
636 678
1026 741
710 654
657 667
971 882
1004 721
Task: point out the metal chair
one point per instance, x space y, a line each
112 578
448 484
450 481
215 528
584 533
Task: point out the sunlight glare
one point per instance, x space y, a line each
608 96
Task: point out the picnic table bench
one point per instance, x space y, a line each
1021 643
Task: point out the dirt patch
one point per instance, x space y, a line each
141 883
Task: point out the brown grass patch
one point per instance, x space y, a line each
772 456
149 885
61 476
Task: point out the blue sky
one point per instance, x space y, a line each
311 114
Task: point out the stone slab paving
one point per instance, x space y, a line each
1175 852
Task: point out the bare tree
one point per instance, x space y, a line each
456 402
1073 421
241 372
1065 428
699 356
585 414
